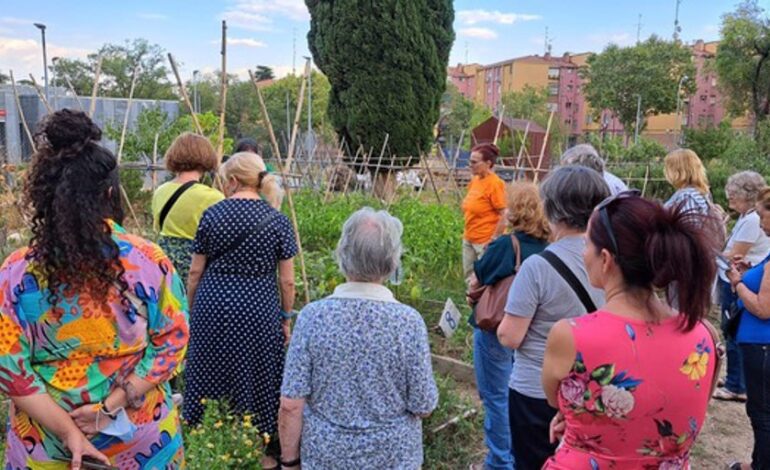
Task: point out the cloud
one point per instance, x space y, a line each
152 16
24 56
711 29
248 42
478 33
19 21
471 17
259 15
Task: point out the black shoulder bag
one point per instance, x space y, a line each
571 279
171 201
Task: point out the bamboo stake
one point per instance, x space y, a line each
95 89
430 176
128 112
185 96
646 178
287 189
457 191
542 149
353 172
223 96
454 420
72 89
40 94
499 124
155 162
334 170
521 150
376 174
297 115
21 113
130 207
365 166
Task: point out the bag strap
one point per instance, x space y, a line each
571 279
719 353
243 236
517 250
171 201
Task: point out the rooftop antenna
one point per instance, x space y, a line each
294 53
466 52
546 40
639 29
677 28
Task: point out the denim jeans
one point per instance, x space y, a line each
734 381
756 366
494 363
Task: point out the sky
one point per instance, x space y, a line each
265 32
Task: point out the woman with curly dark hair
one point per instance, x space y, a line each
93 321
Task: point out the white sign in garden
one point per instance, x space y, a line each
450 318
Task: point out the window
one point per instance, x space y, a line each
574 125
553 89
589 119
489 90
569 88
713 100
552 107
703 97
553 73
568 105
713 81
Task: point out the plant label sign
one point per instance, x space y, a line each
450 318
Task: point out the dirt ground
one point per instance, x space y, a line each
725 437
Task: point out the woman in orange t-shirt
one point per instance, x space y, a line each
483 206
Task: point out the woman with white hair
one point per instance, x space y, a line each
239 325
358 377
747 242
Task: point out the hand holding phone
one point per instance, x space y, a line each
88 463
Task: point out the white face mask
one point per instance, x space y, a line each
120 427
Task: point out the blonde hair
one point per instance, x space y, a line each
684 169
246 168
191 152
525 210
764 199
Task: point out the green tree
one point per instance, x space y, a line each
456 111
743 61
264 72
386 61
118 61
651 69
529 103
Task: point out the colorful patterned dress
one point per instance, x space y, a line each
77 350
637 394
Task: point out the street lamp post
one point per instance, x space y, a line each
53 81
41 27
678 110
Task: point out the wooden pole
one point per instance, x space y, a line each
646 179
95 89
75 93
379 162
499 124
155 162
128 112
457 191
297 115
40 94
21 113
353 172
223 96
130 207
287 189
521 151
185 96
430 176
542 149
334 170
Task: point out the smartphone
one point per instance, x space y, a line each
88 463
723 263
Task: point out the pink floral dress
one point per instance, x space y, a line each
637 394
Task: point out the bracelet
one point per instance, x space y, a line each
292 463
133 399
287 316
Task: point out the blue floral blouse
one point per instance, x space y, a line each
362 362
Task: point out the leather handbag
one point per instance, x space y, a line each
490 307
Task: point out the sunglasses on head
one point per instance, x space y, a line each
605 218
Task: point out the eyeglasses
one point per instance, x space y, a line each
605 217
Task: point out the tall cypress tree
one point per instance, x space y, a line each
386 61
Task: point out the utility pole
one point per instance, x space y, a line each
639 29
677 28
546 40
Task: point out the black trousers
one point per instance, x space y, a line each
756 367
530 422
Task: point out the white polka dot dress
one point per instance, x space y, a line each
236 350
